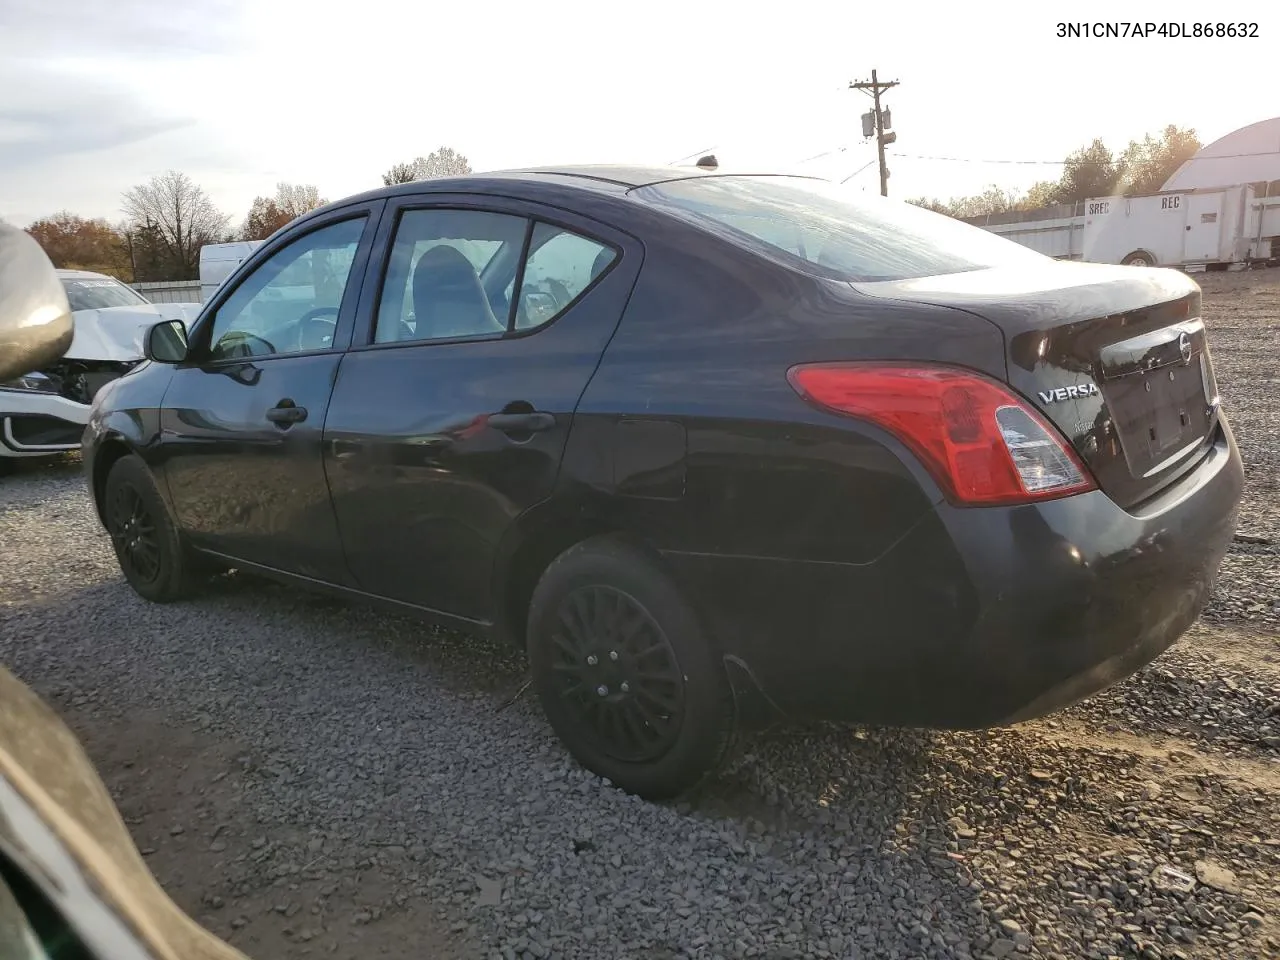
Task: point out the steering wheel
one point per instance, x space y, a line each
312 318
239 344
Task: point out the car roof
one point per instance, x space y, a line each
606 177
602 178
605 181
615 175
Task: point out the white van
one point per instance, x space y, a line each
219 260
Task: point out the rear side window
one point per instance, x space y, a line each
833 231
454 273
444 268
562 265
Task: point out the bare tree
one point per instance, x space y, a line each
269 214
400 173
931 203
295 199
992 200
442 162
182 217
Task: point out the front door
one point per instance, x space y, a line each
1203 228
243 419
451 410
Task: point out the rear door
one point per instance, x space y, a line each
484 320
1203 228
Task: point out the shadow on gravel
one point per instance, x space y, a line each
54 468
386 786
833 841
852 819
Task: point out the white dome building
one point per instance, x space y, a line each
1248 155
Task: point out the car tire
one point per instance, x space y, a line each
146 541
1139 258
626 673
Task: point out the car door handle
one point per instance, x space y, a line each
287 412
521 422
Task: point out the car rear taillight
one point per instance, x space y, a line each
981 442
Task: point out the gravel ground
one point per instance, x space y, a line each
309 778
1243 314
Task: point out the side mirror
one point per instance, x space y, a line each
36 326
167 342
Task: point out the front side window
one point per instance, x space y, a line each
561 266
834 231
290 302
100 293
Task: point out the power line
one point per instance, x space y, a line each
913 156
858 171
1081 163
832 152
819 156
690 156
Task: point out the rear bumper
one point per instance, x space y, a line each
980 617
35 424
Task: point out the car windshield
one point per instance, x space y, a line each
97 293
835 231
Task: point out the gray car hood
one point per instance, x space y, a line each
116 333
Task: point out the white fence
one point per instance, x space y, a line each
171 291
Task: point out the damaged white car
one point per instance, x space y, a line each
44 413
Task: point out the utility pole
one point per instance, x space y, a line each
876 122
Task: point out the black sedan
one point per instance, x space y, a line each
710 447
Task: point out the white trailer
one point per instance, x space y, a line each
1193 229
1056 232
219 260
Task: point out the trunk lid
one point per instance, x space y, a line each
1116 357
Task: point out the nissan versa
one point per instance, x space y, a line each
699 443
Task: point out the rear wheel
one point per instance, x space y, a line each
1139 258
625 672
145 539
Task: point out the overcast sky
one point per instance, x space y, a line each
97 97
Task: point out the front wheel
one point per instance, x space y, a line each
145 539
625 672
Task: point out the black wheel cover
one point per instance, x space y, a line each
133 532
616 674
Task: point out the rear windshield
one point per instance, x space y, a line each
99 293
835 231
